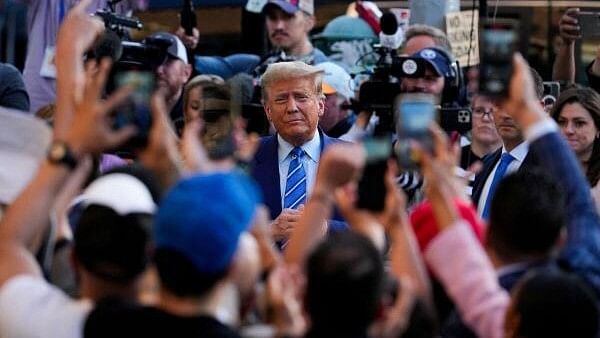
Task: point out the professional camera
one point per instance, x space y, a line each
379 93
146 55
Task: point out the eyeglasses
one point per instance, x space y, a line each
480 112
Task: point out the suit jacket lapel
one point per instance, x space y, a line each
488 165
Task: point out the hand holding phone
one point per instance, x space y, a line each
136 109
568 26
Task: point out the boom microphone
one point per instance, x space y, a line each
389 36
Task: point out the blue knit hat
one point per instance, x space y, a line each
203 216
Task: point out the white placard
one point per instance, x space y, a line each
462 31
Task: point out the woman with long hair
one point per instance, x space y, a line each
577 112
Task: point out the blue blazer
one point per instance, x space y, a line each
581 253
265 170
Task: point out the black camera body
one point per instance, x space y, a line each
379 92
134 64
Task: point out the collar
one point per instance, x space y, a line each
312 148
520 151
342 126
510 268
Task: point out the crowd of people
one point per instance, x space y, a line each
204 229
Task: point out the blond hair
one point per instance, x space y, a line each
286 71
201 81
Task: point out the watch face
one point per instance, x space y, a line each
57 151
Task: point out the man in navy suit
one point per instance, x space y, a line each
285 164
511 157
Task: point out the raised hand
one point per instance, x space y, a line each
568 26
91 131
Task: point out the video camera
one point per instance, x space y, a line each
146 55
134 65
378 94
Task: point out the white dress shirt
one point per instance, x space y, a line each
519 154
310 160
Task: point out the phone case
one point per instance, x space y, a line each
589 22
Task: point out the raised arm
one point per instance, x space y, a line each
564 64
456 257
581 253
89 134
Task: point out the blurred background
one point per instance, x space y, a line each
220 23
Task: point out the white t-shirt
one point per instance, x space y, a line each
31 307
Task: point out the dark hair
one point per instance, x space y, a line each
551 303
345 284
526 216
179 276
538 83
590 100
110 246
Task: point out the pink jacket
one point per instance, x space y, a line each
459 262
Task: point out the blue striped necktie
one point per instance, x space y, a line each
505 161
295 186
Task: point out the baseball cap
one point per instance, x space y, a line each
112 226
336 80
437 58
203 216
24 141
135 194
292 6
348 28
123 193
176 48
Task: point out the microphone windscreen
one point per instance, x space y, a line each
389 24
109 46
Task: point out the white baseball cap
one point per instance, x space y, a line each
336 80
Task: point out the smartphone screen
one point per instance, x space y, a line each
498 44
414 112
136 108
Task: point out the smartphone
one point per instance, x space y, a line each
371 186
217 135
499 41
551 94
136 108
589 23
456 119
413 113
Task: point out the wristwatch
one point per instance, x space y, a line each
59 153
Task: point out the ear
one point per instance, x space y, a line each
187 71
309 22
321 105
267 111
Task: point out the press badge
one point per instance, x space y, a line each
48 69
